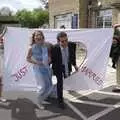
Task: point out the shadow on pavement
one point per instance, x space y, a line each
21 109
52 106
25 109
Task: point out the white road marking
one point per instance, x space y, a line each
77 111
82 93
73 99
93 103
104 112
108 93
97 115
100 114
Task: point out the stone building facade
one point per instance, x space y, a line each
83 13
104 13
61 12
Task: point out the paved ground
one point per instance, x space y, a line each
83 105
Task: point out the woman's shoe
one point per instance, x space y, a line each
41 107
3 99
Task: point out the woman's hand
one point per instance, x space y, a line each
39 63
49 60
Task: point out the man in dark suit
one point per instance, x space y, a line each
63 57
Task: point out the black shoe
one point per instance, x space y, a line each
116 90
61 105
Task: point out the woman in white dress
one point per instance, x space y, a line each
39 56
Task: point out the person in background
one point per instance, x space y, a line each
39 56
115 51
1 64
117 33
63 57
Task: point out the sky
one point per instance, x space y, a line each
20 4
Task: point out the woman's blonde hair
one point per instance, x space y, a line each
33 35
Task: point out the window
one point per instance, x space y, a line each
104 19
64 19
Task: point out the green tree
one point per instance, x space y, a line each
41 17
33 19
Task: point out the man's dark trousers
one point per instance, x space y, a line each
59 77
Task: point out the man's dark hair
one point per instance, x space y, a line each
61 34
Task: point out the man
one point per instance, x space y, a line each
63 57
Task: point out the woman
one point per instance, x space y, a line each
39 56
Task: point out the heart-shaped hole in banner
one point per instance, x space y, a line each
81 53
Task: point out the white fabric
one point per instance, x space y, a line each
18 74
1 62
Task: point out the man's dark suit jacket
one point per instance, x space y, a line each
57 58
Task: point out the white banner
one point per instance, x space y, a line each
18 74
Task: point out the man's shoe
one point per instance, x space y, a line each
61 105
117 89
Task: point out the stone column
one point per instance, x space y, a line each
83 10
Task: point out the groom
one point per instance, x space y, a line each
63 57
